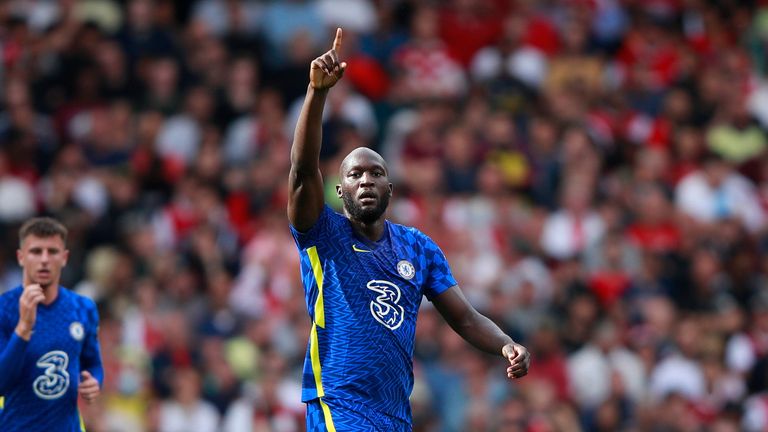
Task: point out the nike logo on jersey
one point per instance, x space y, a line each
357 249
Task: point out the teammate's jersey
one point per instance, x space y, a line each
43 394
363 298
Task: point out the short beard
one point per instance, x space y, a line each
366 216
42 285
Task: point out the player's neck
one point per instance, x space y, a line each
373 231
51 292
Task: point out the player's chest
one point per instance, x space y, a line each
63 332
51 359
394 265
384 283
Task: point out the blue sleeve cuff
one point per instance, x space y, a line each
98 373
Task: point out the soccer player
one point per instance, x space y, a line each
364 278
49 350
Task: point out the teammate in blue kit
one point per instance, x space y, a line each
49 349
364 278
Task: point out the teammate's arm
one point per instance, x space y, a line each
14 346
91 369
480 331
305 202
12 350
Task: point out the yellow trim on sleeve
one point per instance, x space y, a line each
317 269
327 416
82 422
2 402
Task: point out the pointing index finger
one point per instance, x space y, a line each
337 41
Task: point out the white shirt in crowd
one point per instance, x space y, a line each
735 197
591 373
202 417
564 236
678 374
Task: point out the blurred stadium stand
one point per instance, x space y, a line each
595 170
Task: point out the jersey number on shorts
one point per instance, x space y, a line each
54 381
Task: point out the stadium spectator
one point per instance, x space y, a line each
186 410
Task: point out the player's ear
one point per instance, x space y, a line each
20 257
66 256
391 188
338 190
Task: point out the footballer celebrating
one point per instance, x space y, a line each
364 278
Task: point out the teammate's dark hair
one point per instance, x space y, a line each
42 227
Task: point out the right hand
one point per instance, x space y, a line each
30 298
89 387
326 70
519 359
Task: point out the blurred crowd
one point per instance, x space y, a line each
596 172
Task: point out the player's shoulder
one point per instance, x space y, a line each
12 294
332 215
79 299
410 235
82 306
9 301
328 221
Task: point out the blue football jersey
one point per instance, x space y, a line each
43 395
363 298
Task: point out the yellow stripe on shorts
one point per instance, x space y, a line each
327 416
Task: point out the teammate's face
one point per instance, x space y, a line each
365 187
42 259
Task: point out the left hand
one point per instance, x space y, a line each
519 360
89 387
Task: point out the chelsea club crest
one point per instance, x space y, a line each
406 269
76 331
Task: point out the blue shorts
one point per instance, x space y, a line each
328 415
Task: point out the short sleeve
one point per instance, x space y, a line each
440 277
311 236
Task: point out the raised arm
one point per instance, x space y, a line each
480 331
305 202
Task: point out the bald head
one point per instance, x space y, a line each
361 156
364 185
